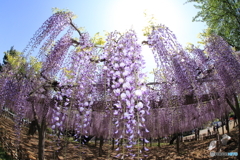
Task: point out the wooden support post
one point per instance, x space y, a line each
150 141
177 143
218 142
113 143
95 141
227 124
159 142
100 146
143 143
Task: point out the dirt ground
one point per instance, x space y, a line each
59 149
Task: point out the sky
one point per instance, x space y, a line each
21 18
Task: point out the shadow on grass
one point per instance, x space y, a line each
3 155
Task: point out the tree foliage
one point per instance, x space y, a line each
10 53
222 17
9 56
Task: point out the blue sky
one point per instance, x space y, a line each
21 18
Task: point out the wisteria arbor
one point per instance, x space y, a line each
101 90
192 87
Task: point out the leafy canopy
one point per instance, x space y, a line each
151 21
11 52
222 17
16 61
13 59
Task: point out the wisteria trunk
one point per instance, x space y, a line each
159 142
237 113
41 140
196 135
100 146
238 141
177 144
150 141
174 136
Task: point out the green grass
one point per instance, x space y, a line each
3 155
155 144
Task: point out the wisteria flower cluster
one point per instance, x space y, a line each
170 57
77 77
220 53
182 80
55 59
125 81
52 28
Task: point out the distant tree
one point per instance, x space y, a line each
14 60
11 52
223 17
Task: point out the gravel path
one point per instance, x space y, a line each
204 131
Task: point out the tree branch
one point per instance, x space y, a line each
234 12
75 27
75 42
31 99
231 105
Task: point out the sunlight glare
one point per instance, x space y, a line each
129 14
